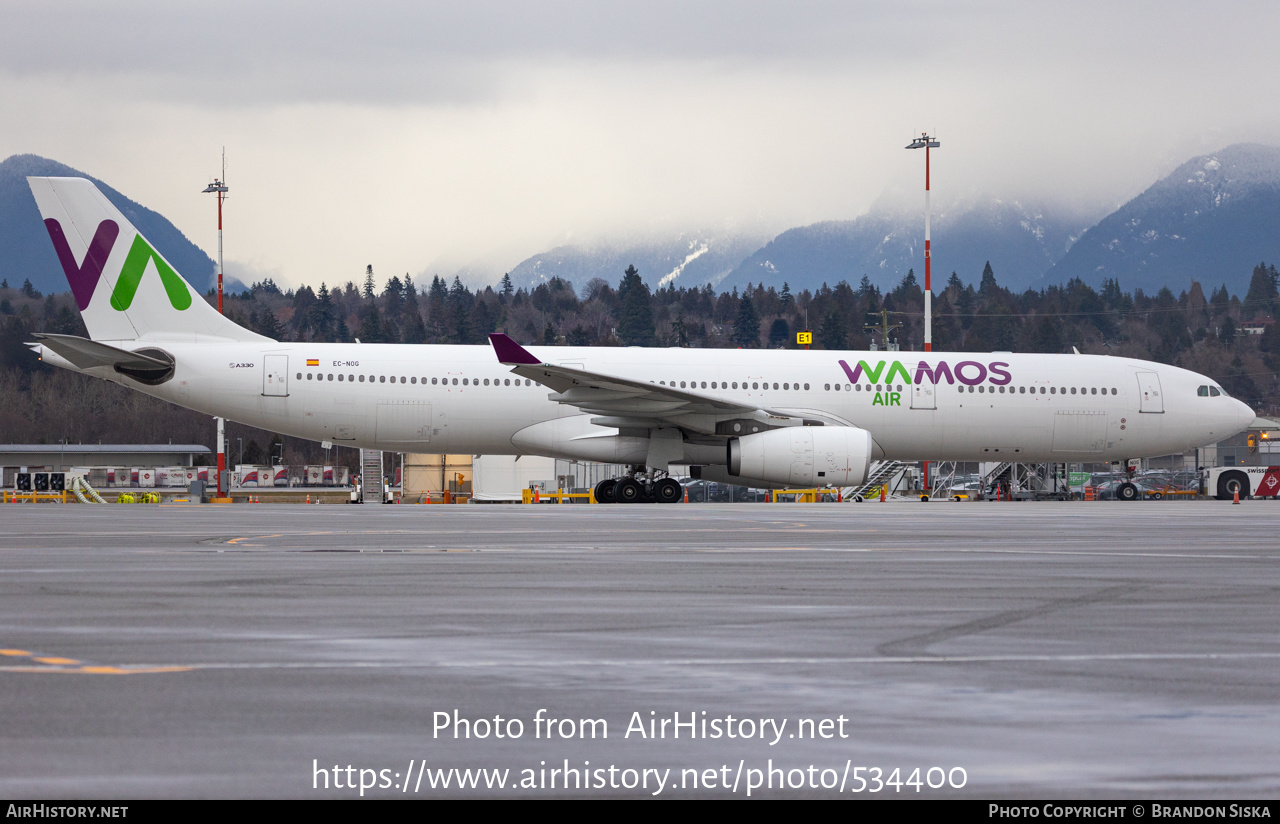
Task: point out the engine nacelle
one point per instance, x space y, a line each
804 455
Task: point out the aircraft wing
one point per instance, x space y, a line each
626 403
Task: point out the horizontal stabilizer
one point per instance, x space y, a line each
86 354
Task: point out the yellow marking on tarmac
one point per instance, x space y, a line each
72 665
97 670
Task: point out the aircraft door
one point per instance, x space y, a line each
275 375
924 393
1149 392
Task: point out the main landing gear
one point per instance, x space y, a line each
640 487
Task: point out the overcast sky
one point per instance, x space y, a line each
423 137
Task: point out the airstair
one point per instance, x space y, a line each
370 476
881 473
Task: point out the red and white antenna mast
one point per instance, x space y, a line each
219 187
924 141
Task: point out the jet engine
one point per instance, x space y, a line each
803 455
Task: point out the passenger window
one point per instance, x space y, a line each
403 379
299 376
330 376
340 377
351 378
1053 390
735 384
806 386
455 381
1073 390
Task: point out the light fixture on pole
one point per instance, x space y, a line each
924 141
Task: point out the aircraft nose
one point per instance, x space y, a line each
1244 415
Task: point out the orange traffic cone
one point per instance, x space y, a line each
536 497
308 497
1235 497
686 494
882 491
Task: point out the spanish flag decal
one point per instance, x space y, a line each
313 361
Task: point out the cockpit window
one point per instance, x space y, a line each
1203 391
1215 391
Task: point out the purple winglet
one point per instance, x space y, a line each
510 352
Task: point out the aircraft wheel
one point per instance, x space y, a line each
628 491
1229 483
668 491
604 491
1127 492
924 499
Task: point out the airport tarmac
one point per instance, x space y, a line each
1061 650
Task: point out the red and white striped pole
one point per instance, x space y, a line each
924 141
219 187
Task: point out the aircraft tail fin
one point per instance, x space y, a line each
124 288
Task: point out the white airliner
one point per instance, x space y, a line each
756 417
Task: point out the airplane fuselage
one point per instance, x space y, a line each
917 406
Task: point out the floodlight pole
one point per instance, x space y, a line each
219 188
924 141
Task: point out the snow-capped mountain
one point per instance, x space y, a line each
1212 219
1021 241
688 259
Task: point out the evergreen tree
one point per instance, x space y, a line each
549 335
459 312
785 297
368 283
746 328
393 299
679 331
1262 296
437 310
268 325
371 325
988 286
832 334
322 315
779 334
415 331
635 322
507 288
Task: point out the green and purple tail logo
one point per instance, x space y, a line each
84 277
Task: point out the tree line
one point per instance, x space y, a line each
1230 338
